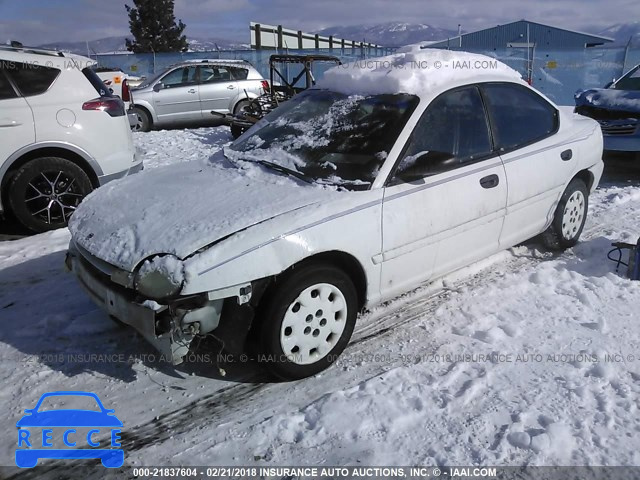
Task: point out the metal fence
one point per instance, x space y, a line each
556 73
560 73
147 64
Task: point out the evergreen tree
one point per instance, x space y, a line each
154 29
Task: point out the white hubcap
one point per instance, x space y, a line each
313 324
573 215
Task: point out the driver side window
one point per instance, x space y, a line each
180 77
451 133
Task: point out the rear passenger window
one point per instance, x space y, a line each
240 73
6 90
519 116
32 79
96 82
211 74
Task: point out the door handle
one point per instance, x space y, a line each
230 87
193 90
11 123
490 181
566 155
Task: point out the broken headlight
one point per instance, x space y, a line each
160 277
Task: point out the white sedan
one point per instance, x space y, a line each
385 176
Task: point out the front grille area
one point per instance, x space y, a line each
104 279
619 129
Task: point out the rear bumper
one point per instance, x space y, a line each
136 166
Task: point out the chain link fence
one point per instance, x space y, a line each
556 73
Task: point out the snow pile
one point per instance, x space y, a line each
417 71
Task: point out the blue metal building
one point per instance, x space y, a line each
523 33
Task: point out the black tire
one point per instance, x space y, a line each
144 121
237 130
287 291
568 223
241 105
44 192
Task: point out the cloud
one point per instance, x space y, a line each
34 21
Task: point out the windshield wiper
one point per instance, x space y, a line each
279 168
274 166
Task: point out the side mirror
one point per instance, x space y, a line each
425 164
608 85
158 86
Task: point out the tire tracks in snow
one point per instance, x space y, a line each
212 408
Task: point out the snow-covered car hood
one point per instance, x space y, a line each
610 99
183 208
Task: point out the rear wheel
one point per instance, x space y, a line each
241 106
44 193
308 321
143 121
569 218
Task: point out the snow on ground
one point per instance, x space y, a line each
502 363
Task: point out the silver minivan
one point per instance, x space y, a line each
187 92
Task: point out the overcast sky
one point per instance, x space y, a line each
41 21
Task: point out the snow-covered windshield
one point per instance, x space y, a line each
328 137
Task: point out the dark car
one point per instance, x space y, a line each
617 109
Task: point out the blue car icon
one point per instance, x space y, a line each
68 419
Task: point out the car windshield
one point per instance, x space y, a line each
631 81
328 137
69 402
148 81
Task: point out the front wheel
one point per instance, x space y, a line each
143 121
308 321
569 218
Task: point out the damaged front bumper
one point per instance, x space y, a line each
169 328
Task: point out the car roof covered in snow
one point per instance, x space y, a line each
416 70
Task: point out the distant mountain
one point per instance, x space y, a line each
622 32
103 45
392 34
117 44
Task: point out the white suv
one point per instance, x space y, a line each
62 134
